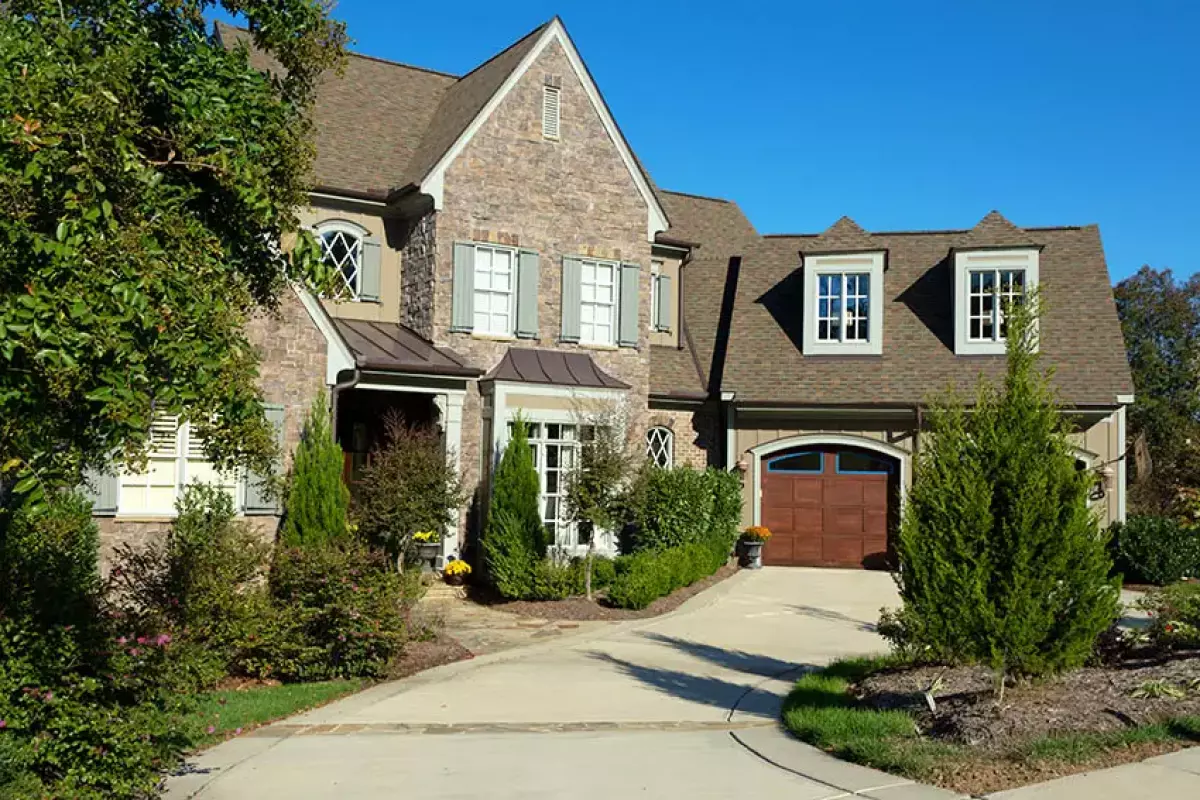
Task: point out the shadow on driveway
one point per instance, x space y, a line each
738 660
833 616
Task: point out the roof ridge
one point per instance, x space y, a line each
494 56
697 196
356 54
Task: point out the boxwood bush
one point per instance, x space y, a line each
1153 549
672 507
648 575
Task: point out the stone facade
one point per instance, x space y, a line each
418 262
570 196
695 434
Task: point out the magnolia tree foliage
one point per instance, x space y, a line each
1001 560
147 177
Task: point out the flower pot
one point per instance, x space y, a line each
428 554
752 554
455 579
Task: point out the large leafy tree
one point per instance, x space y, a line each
1160 317
148 176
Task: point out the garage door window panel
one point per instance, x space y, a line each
805 463
851 462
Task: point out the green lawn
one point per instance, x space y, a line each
232 711
820 711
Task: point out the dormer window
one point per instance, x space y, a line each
354 255
843 312
986 283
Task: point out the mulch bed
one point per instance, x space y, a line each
422 654
580 609
1090 700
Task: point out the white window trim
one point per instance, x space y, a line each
183 438
514 269
1025 260
352 229
668 450
840 264
614 306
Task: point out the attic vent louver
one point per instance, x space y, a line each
550 111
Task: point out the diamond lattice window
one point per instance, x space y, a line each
342 250
660 447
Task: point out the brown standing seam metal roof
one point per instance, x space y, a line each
557 367
390 347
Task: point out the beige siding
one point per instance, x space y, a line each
388 307
1100 438
670 266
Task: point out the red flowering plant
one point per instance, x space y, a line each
1174 613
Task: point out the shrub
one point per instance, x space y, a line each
1001 560
558 580
339 613
515 540
408 486
669 507
86 712
202 583
1174 615
645 576
317 500
1158 550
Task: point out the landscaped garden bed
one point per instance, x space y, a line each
581 609
875 712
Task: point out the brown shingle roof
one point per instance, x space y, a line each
382 124
1080 333
557 367
722 230
390 347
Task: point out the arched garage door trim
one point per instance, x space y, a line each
762 452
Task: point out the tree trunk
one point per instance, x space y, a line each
587 566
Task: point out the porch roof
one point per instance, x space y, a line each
558 367
391 347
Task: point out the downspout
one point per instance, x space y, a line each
335 391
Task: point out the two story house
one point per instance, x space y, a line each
505 253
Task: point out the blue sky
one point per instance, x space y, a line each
900 114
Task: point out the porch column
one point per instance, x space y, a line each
450 413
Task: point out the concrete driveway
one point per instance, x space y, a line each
685 705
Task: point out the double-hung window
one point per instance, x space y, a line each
598 301
494 301
986 283
843 310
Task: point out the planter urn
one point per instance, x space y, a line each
752 554
427 555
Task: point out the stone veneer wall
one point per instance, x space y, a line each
695 434
573 196
291 374
418 263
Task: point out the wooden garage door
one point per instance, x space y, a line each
827 507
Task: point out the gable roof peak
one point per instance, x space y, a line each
843 235
996 229
844 226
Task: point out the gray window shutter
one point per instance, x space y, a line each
527 294
101 488
262 496
664 302
368 281
572 276
462 306
630 287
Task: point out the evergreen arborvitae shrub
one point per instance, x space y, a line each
515 540
1001 560
317 496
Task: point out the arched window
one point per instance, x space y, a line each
342 249
660 446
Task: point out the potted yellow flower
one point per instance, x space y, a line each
456 571
753 539
428 545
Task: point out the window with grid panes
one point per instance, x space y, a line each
342 249
598 302
991 291
495 276
175 459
